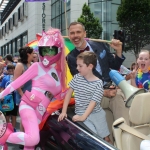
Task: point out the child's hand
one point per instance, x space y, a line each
78 118
62 116
133 74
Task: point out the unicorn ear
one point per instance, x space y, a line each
38 36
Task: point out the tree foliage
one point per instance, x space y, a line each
134 17
92 25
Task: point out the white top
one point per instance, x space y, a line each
86 91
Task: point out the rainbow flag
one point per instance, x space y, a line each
34 45
68 47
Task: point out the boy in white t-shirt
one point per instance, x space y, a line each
88 91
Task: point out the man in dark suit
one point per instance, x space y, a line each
106 60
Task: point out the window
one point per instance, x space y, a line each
18 44
24 40
53 11
14 47
58 14
10 49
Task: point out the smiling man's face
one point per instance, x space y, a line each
77 35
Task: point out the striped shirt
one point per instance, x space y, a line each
85 92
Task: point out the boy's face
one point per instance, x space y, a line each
10 71
83 68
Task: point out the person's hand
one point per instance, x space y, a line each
78 118
110 92
117 46
133 74
128 77
62 116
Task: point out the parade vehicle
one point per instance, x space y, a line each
67 135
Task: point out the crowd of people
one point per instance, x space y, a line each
90 63
10 69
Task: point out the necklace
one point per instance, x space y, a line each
140 75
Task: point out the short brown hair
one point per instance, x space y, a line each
75 23
88 58
10 66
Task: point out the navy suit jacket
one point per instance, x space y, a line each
105 58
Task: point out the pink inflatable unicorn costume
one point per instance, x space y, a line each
47 76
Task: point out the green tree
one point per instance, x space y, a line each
134 17
92 25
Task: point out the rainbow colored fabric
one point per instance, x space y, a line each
34 45
68 47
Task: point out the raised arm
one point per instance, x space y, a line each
26 76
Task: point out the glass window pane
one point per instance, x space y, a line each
9 48
90 1
5 50
68 4
58 22
14 47
53 23
57 8
96 10
53 12
24 40
114 13
52 1
68 18
18 44
63 22
1 51
116 1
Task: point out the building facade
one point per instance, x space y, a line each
20 24
104 10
